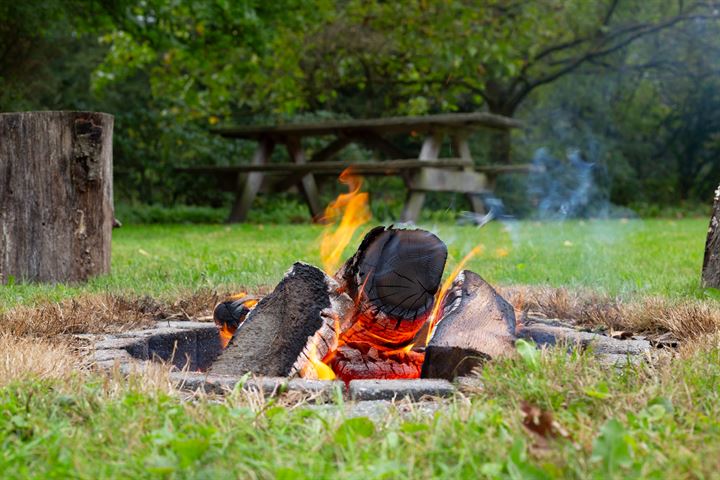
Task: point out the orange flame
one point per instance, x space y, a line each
226 332
352 209
433 319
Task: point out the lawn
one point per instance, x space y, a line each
618 257
659 420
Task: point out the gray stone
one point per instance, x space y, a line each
397 389
112 355
544 333
136 346
619 360
191 325
469 384
201 381
321 390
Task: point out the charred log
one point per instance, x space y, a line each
477 325
396 272
393 279
298 321
230 314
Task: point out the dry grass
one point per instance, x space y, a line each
102 313
683 319
23 358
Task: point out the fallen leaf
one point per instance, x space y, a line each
541 422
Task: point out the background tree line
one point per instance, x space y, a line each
631 84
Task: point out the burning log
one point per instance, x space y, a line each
396 272
229 315
360 325
477 325
393 278
290 329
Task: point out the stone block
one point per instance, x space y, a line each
398 389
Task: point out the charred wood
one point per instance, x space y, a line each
477 325
295 322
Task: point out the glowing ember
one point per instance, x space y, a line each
352 210
433 319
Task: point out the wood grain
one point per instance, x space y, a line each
56 212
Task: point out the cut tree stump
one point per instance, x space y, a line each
56 212
477 325
711 262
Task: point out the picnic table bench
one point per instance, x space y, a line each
425 173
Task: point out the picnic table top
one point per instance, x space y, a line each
383 126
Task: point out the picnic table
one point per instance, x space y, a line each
426 172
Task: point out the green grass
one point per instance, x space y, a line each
649 422
625 258
641 423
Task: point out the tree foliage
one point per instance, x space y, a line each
631 83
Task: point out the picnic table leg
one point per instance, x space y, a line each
462 150
249 186
414 203
307 184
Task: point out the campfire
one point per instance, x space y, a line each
383 314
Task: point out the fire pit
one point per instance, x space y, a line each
383 315
383 326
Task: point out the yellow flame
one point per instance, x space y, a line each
352 209
322 371
445 287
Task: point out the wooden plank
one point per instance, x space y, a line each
413 205
440 180
248 187
307 183
383 126
364 168
461 147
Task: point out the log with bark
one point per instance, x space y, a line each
288 329
56 212
477 324
711 261
362 325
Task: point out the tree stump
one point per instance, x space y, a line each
711 262
56 212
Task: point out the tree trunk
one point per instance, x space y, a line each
56 211
711 262
500 140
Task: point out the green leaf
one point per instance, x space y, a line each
664 402
160 464
528 352
189 450
412 427
601 392
612 448
353 429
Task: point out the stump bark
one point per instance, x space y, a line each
56 212
711 262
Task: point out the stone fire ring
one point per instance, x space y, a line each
191 347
